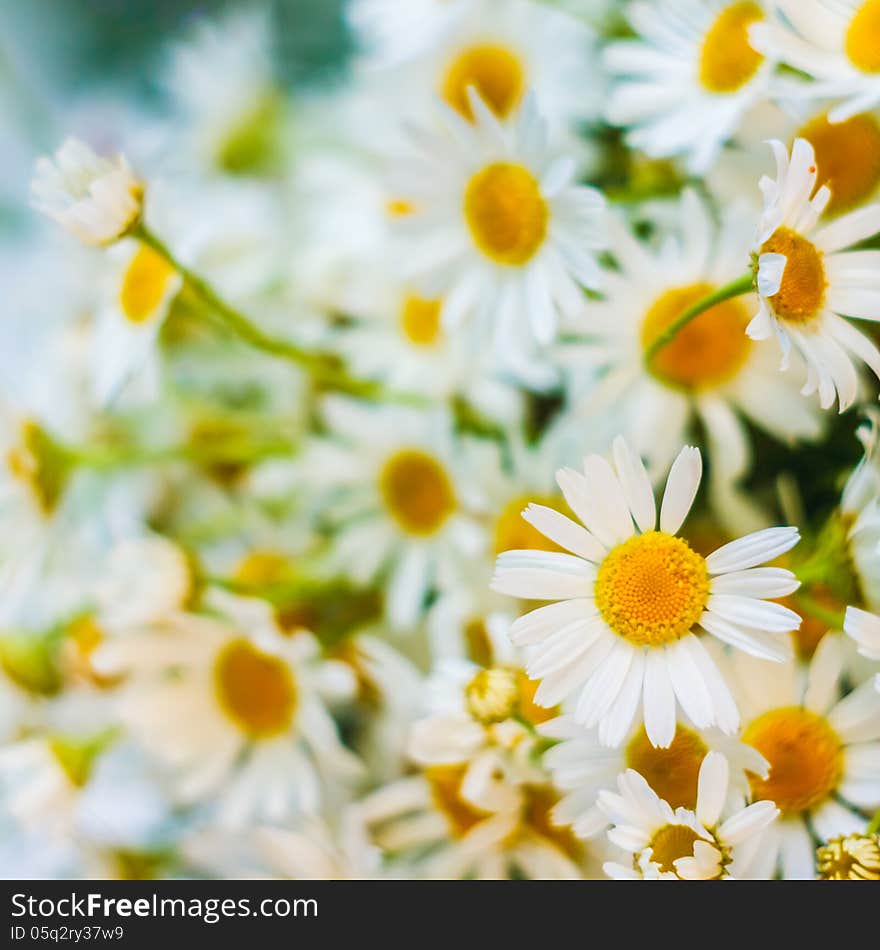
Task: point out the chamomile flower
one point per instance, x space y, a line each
243 721
97 199
631 596
389 480
692 844
710 373
808 281
499 229
503 49
581 767
835 42
822 752
684 84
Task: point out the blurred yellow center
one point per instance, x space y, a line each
262 568
256 690
652 589
537 818
514 533
805 756
847 156
444 782
39 463
727 58
670 843
399 207
709 350
420 321
802 291
672 773
506 213
492 695
863 38
496 74
854 857
417 491
144 285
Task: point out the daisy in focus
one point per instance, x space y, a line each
243 720
684 84
823 752
808 281
499 229
684 844
710 375
836 42
631 595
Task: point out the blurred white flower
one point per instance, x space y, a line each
97 199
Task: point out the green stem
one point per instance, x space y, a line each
874 825
833 618
324 368
742 285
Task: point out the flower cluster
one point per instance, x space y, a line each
433 474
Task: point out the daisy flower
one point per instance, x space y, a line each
684 844
243 720
807 280
823 752
686 80
390 479
710 374
836 42
503 49
96 199
581 767
499 230
631 596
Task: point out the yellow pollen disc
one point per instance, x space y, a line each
805 756
506 213
417 491
705 352
445 784
261 569
144 285
727 58
514 533
495 72
848 158
420 321
399 207
863 38
538 805
672 772
492 695
852 858
652 589
256 690
670 843
802 292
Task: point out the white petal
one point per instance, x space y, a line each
712 788
752 550
636 485
681 489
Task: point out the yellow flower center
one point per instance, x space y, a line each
514 533
652 589
417 491
670 843
399 207
538 804
672 773
478 643
727 58
83 637
420 321
802 291
260 569
705 352
492 695
847 156
506 213
494 71
38 462
144 285
256 690
863 38
76 756
805 756
445 784
851 858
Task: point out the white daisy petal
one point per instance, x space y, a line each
681 489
